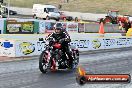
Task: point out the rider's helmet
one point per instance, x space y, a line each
58 28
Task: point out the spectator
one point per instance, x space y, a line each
64 19
76 19
59 6
65 1
127 25
101 20
62 1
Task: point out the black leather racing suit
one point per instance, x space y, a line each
64 36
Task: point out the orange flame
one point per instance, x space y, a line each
81 71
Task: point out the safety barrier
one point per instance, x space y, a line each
23 46
32 26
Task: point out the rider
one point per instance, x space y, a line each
63 37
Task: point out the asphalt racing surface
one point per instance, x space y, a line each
25 74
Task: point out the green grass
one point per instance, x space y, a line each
90 6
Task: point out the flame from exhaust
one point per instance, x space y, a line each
81 71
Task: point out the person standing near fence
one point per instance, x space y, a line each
127 25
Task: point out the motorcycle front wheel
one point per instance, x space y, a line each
43 62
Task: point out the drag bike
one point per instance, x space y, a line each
51 58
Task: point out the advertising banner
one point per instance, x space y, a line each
14 27
49 26
72 27
117 42
29 48
31 45
35 47
88 44
101 43
7 48
41 27
81 27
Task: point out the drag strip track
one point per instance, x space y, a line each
25 74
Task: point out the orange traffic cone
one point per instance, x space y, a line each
101 28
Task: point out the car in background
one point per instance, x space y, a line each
11 12
63 16
45 12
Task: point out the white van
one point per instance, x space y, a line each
45 12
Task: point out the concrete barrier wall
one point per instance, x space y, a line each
30 45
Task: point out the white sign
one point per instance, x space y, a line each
72 27
88 44
1 25
41 27
7 48
101 43
29 48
